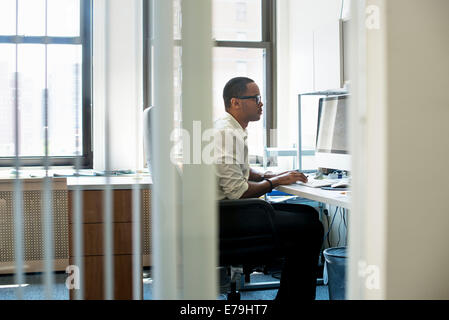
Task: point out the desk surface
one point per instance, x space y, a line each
115 182
332 197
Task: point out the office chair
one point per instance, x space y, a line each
247 238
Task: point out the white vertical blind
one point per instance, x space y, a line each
136 192
18 195
77 203
108 262
165 248
47 219
367 242
199 226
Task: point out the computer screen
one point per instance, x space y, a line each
332 149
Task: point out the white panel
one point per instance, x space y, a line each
165 248
417 78
375 166
399 218
367 232
357 55
199 226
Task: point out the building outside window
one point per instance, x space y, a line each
241 10
45 47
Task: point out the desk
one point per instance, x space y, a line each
93 232
331 197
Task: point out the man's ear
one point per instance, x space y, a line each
235 102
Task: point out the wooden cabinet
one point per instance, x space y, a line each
93 257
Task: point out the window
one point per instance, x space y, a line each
45 51
245 48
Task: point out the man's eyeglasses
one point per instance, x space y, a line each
258 98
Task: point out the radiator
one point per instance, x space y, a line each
33 234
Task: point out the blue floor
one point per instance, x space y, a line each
35 289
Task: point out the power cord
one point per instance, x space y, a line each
339 225
345 212
330 227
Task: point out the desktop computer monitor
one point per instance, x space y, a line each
332 150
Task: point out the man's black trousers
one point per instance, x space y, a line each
300 233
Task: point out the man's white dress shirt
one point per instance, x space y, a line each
231 158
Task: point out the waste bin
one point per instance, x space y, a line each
336 272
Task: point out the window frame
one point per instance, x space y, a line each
268 42
84 39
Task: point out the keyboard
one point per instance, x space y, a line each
317 183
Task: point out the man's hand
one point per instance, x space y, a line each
257 189
288 177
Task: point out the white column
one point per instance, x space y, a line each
164 195
199 223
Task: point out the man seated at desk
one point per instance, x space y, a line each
298 226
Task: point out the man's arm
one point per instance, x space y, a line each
257 176
257 189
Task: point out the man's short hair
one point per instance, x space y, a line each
234 88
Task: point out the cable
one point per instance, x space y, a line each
345 212
328 230
339 225
330 227
343 215
327 219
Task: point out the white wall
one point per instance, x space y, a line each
297 20
121 66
